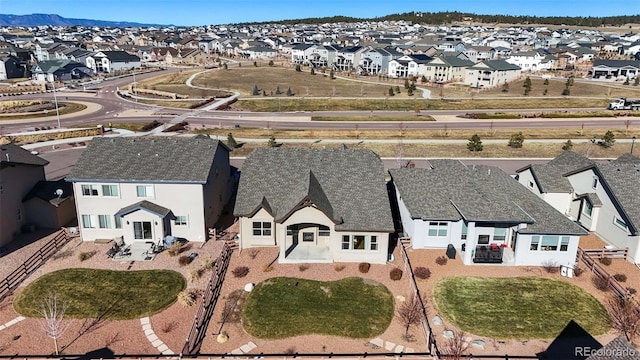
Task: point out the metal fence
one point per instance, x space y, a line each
13 280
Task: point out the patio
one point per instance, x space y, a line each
137 251
302 254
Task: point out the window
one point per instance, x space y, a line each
483 239
564 243
464 231
374 243
88 222
358 242
104 221
531 184
142 230
549 243
324 231
110 190
144 190
118 222
181 220
307 236
594 183
437 229
535 241
587 209
620 223
345 242
90 190
499 234
261 228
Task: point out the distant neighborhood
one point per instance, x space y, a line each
480 56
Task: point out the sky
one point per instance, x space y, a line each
206 12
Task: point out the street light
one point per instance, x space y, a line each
55 99
633 141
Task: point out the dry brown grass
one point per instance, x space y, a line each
36 138
555 87
63 108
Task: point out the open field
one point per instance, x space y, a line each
283 307
557 85
91 293
176 83
520 308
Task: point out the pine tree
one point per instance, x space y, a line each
298 68
546 82
391 92
270 62
272 142
231 141
567 145
406 83
255 91
516 140
278 91
608 139
475 144
289 92
313 72
332 75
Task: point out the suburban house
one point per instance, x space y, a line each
529 60
50 205
348 58
376 61
408 65
63 69
602 198
259 52
443 69
10 67
110 61
614 68
145 189
315 205
491 73
482 213
20 171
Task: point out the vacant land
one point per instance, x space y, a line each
517 308
90 293
284 307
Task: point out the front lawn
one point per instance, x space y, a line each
283 307
517 308
90 293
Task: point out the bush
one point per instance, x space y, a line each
631 291
174 249
442 260
516 140
86 255
240 271
168 326
422 272
620 277
577 271
185 260
253 252
395 274
364 267
606 261
550 266
303 267
600 283
187 298
340 267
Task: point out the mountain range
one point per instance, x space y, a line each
57 20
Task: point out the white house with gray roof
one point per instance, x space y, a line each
491 73
484 214
144 189
603 198
315 205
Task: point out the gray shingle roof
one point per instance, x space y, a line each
618 349
149 159
453 191
14 154
550 177
144 205
347 185
623 178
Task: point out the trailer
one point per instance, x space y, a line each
624 104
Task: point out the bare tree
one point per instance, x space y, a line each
456 346
410 313
624 316
53 313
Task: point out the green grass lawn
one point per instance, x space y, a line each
283 307
90 293
517 308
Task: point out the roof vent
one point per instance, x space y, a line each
7 154
138 154
156 154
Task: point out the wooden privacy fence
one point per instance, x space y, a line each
431 340
591 263
13 280
209 300
604 252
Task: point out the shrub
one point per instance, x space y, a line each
442 260
187 298
253 252
240 271
475 144
600 283
620 277
339 267
267 267
364 267
185 260
516 140
422 272
208 263
174 249
605 261
86 255
550 266
168 326
577 271
631 291
303 267
395 274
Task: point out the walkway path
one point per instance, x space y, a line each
153 338
390 346
11 322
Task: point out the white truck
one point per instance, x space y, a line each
624 104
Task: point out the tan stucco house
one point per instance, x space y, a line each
145 189
315 205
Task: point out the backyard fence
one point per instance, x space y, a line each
209 300
597 270
426 327
13 280
604 252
